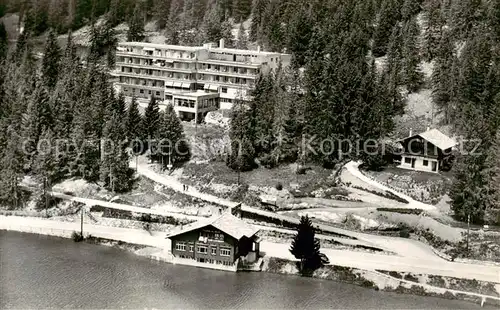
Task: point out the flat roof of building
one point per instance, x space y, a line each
196 48
242 52
154 45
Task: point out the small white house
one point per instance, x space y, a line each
425 151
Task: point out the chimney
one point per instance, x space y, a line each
258 49
428 128
411 132
221 43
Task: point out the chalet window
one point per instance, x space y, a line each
142 91
426 163
202 249
191 248
180 246
157 93
214 250
407 160
224 89
225 252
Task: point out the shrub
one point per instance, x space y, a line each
404 233
301 170
279 186
411 278
417 290
76 236
267 161
395 274
401 210
368 283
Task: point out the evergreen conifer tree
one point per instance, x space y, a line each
37 119
170 137
133 120
114 165
442 76
133 127
412 75
409 9
161 9
242 39
51 61
241 154
12 169
258 7
306 247
136 25
4 42
241 10
151 119
389 15
492 176
45 163
434 22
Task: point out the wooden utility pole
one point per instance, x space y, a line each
81 220
45 196
468 230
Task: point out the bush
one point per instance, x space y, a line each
404 233
401 210
279 186
267 161
411 278
368 284
43 202
77 236
395 274
301 170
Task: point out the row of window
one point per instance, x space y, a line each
424 163
210 261
186 76
212 235
161 53
203 249
141 91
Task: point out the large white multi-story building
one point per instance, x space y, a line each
195 80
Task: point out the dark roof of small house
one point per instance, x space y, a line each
226 223
435 137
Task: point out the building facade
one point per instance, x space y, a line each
167 71
426 151
219 243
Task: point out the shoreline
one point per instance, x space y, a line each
378 280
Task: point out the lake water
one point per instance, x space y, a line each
42 272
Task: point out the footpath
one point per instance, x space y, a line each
353 168
403 247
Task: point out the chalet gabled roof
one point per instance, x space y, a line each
435 137
226 223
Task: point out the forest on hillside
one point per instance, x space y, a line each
334 89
